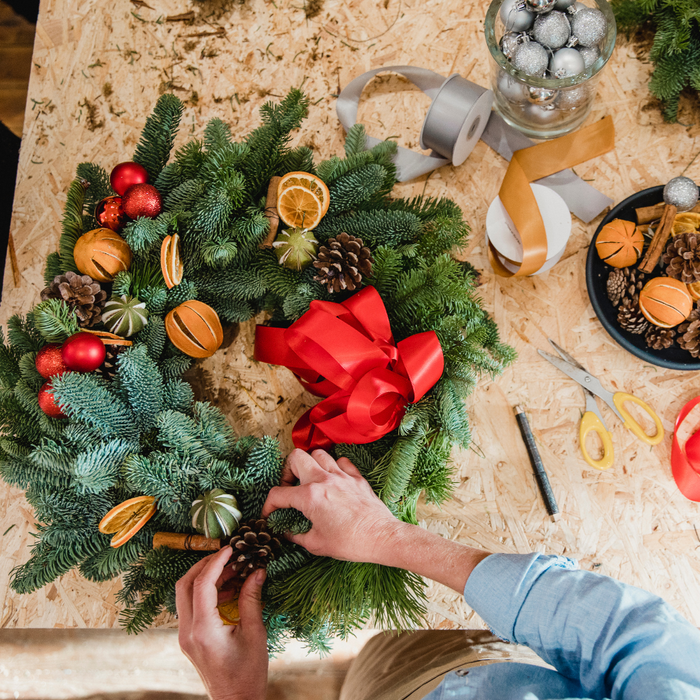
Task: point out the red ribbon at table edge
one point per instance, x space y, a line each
345 352
685 474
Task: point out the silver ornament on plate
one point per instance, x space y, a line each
563 4
566 63
510 41
589 26
515 17
531 58
572 98
514 91
590 55
682 193
539 6
552 30
576 7
541 116
541 96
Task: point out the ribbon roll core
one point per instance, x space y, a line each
456 119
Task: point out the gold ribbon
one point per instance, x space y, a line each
534 163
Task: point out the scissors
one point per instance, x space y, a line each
592 421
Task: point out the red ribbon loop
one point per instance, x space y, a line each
346 354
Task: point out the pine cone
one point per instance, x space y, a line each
689 333
81 293
343 262
659 338
109 367
630 317
254 547
624 283
682 257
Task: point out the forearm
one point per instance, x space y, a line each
424 553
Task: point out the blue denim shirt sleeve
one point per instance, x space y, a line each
612 640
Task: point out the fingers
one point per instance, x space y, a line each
304 466
325 461
285 497
249 605
344 464
183 591
204 593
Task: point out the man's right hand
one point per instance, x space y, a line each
349 521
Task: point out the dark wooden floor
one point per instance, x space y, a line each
16 43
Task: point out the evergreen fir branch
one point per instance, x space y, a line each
213 210
72 223
143 383
181 293
221 474
355 140
289 520
180 434
28 399
53 268
9 364
359 186
217 135
299 159
178 396
218 252
30 374
176 366
111 561
23 334
215 432
155 299
263 469
190 159
54 320
376 228
98 188
145 235
158 135
98 469
153 336
295 305
232 310
54 457
184 196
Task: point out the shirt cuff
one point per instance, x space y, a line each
499 584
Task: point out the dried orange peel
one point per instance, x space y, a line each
688 222
109 338
126 519
170 261
299 207
313 183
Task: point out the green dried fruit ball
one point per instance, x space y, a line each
125 315
296 248
215 514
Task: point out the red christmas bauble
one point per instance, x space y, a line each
142 200
127 174
47 403
110 214
49 361
83 352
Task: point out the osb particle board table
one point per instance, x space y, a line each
99 66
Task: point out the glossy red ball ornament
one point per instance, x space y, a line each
127 174
83 352
47 402
142 200
110 214
49 361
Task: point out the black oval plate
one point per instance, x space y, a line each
596 280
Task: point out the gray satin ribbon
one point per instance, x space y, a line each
446 130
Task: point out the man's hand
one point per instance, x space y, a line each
232 661
349 521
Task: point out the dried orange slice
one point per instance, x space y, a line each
299 207
126 519
170 262
228 612
309 182
688 222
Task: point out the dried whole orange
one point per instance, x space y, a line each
309 182
170 261
195 329
102 253
126 519
620 243
665 302
299 207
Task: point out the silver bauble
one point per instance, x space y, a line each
531 58
552 30
541 116
563 4
682 192
514 91
572 98
541 96
515 17
510 41
539 6
590 55
589 26
565 63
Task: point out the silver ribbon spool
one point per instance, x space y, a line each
459 115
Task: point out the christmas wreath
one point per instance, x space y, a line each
105 437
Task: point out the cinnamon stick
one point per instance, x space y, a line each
658 242
646 215
177 540
271 211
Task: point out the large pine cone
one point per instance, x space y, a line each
624 283
342 263
80 292
254 547
682 257
659 338
689 333
631 318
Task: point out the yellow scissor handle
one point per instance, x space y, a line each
619 399
590 423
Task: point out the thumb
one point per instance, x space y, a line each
249 604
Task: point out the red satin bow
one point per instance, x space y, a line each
685 472
346 353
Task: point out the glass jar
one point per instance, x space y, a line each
544 108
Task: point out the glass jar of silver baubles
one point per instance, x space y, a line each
548 56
